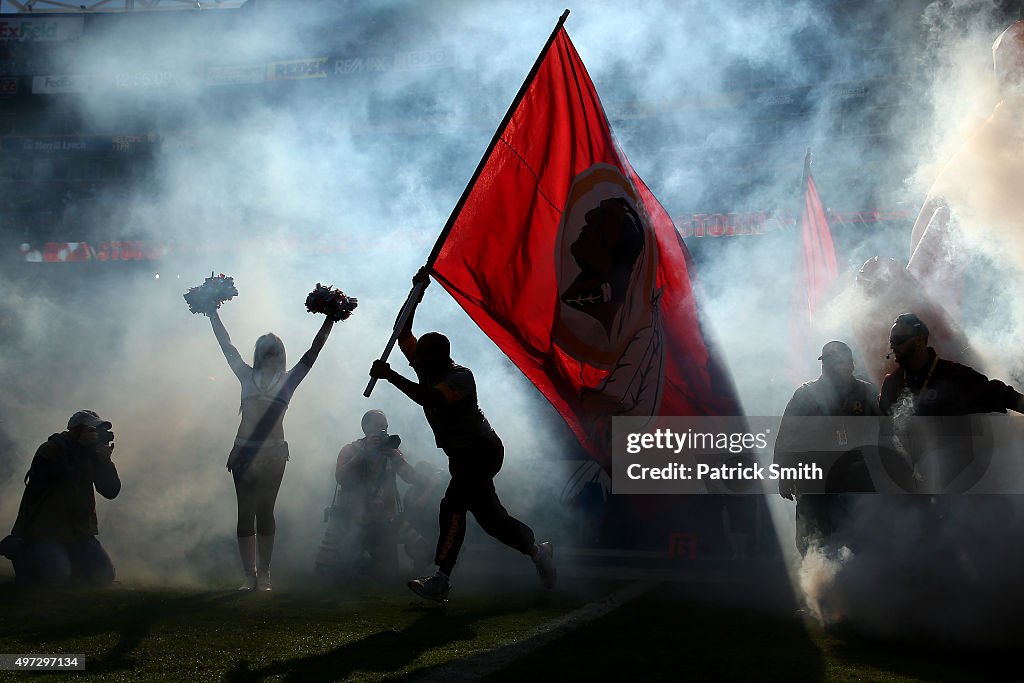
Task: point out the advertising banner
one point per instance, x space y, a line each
235 74
55 85
297 69
40 29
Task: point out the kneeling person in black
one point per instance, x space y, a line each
54 537
448 395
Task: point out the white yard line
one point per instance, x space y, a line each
489 661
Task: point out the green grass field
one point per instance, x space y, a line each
704 633
134 633
695 630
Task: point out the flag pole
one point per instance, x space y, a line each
417 291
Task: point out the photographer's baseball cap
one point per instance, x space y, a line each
87 418
835 349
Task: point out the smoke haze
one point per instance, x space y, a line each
349 182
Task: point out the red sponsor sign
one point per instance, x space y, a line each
72 252
730 224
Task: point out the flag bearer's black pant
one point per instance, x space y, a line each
472 490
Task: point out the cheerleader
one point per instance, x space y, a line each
260 452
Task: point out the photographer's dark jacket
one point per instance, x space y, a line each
367 478
59 503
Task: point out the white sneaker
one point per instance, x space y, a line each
249 584
545 563
434 587
263 582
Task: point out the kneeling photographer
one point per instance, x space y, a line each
365 472
54 537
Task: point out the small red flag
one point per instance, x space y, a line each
566 260
816 275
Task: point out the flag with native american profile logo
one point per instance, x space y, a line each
566 260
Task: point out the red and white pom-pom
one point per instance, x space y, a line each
331 301
208 297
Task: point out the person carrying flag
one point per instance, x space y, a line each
564 258
447 393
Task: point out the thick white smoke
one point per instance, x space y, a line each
367 166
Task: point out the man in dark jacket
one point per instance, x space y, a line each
935 451
54 537
837 393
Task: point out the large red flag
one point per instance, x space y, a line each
816 274
566 260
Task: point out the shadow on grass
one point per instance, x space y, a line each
386 651
923 659
670 634
131 616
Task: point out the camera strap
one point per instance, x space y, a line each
383 479
382 476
